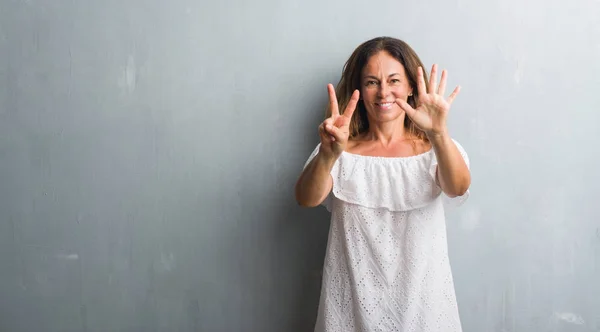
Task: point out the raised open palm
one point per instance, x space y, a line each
335 130
432 109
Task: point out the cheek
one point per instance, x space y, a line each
400 92
368 95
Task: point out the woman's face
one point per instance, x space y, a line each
383 79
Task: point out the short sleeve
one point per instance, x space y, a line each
327 202
453 201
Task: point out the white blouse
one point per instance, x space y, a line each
386 266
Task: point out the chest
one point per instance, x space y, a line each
406 148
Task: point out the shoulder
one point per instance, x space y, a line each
402 149
352 146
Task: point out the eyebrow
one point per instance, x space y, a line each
373 77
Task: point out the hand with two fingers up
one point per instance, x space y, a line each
335 130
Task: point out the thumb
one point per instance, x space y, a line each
406 107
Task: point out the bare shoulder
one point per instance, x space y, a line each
357 144
352 144
405 148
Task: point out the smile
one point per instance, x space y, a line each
385 106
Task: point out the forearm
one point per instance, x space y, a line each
315 182
452 172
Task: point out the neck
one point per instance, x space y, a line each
387 133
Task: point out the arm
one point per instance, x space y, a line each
452 172
315 182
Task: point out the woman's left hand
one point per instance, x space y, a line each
432 109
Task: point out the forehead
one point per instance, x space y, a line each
382 63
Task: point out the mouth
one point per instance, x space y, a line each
385 106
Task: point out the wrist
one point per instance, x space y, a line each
326 158
438 138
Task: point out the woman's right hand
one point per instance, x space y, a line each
335 130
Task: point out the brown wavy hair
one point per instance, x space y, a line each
351 80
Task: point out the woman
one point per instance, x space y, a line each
382 171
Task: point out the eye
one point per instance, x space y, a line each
395 81
371 83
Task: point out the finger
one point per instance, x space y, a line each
433 79
352 105
325 136
329 121
406 107
322 129
336 132
453 95
421 82
333 104
442 87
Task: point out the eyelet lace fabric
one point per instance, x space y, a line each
386 267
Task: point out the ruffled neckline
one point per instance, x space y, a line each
393 183
407 158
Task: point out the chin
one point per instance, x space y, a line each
387 115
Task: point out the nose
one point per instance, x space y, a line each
384 90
